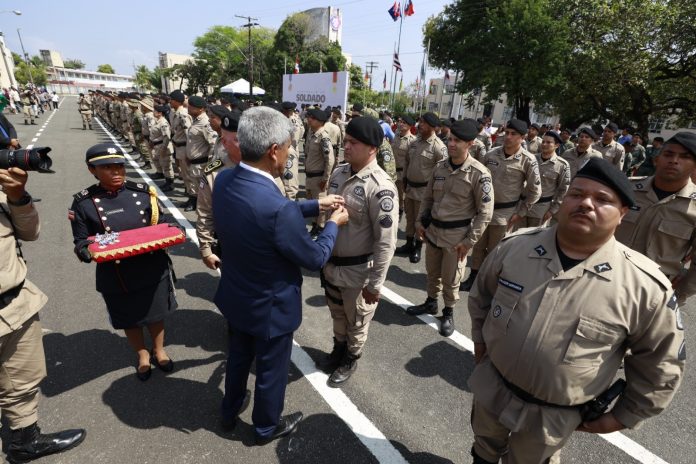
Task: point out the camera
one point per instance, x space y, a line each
32 159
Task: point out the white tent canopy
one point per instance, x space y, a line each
241 86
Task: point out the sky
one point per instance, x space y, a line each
128 33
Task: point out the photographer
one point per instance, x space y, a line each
21 348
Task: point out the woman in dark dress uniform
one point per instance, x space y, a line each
138 291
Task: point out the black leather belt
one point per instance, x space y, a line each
7 297
508 204
350 260
198 161
314 174
529 398
450 224
158 143
179 144
545 199
417 184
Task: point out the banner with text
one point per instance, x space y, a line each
323 89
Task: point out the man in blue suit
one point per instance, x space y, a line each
264 244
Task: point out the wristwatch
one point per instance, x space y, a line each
25 199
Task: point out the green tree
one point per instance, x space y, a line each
106 68
513 47
26 73
73 64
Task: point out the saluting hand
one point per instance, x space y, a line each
606 423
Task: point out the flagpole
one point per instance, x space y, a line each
456 76
425 69
392 74
398 50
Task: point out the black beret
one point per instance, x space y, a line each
602 171
161 108
536 126
556 136
318 114
367 130
230 121
336 110
480 121
446 123
466 129
686 140
431 120
219 111
587 130
408 120
659 139
197 102
82 94
288 105
565 129
358 107
612 127
104 153
518 126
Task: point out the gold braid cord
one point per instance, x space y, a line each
153 205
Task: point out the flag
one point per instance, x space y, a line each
408 9
447 76
397 63
430 89
422 76
297 65
385 80
401 84
395 11
367 76
417 84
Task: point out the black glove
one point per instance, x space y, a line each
83 253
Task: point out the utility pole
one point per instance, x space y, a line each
371 65
249 25
26 59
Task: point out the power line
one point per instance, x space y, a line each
249 25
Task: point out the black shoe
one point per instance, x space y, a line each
29 443
447 322
166 367
143 376
415 256
90 127
430 307
84 127
468 283
348 365
193 201
157 175
286 425
147 165
406 248
168 185
330 362
229 424
33 123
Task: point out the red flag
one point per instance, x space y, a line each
408 9
297 65
395 11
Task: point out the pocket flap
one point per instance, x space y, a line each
676 229
597 331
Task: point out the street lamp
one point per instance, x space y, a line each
13 82
16 12
26 56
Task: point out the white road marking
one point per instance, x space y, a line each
362 427
621 441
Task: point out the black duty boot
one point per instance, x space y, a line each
348 365
479 460
157 175
26 123
147 165
33 123
192 204
331 361
406 248
84 127
29 443
90 127
468 283
447 322
415 256
430 307
168 185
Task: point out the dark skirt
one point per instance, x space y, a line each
141 307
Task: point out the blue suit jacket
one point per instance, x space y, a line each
264 243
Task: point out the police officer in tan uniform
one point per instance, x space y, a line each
200 139
84 105
422 156
402 141
205 227
354 275
533 141
662 225
319 160
160 136
555 179
456 208
335 133
554 312
288 109
179 121
515 174
610 149
216 113
581 153
385 159
291 176
22 360
483 136
148 120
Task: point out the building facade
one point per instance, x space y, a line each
73 81
169 60
7 68
52 58
325 22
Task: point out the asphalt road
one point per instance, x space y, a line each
407 402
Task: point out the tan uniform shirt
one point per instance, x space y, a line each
485 138
319 154
421 158
372 203
400 148
562 335
205 226
148 122
13 269
290 177
478 150
614 153
335 135
180 122
160 132
200 138
123 112
576 160
664 230
219 151
534 145
299 131
513 176
85 104
455 195
555 180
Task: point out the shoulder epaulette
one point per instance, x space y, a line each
525 231
648 266
86 193
139 186
212 166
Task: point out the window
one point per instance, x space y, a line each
507 113
657 124
432 107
